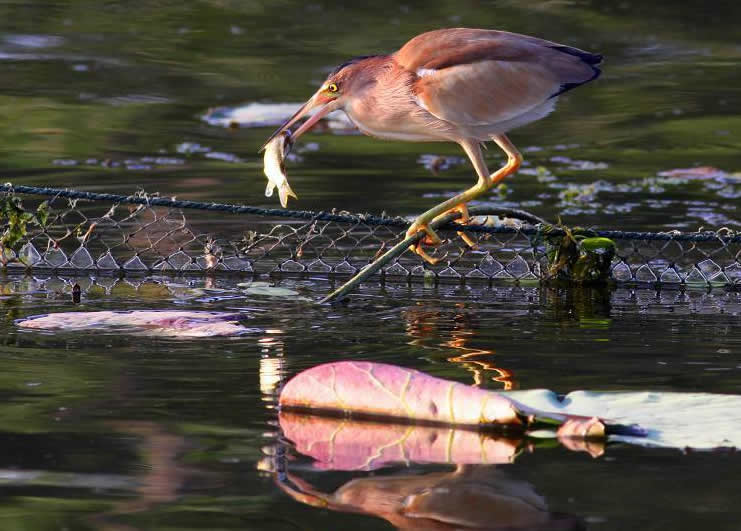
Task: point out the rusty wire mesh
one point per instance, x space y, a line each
82 236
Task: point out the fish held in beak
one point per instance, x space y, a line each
274 166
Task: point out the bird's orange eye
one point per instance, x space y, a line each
332 87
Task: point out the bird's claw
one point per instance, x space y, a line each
430 238
419 250
468 240
464 219
465 216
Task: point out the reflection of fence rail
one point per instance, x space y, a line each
113 234
645 301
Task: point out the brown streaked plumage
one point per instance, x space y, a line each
457 85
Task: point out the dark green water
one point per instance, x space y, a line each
110 431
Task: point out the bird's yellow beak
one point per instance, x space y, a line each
318 100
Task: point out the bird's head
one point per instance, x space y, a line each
343 82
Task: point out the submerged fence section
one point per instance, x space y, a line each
56 230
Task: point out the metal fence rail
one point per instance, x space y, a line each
52 230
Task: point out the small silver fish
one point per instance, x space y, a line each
275 169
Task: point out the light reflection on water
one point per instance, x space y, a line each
189 428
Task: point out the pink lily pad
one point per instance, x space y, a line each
166 323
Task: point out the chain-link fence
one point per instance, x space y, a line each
69 231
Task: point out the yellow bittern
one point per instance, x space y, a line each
459 85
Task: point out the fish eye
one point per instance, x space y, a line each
332 87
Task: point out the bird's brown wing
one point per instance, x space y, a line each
479 77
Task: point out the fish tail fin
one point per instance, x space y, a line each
284 192
290 192
269 189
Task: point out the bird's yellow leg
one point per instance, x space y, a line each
485 182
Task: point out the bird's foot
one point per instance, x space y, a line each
464 219
465 216
431 238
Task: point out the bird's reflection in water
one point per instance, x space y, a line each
424 323
454 332
473 493
162 478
